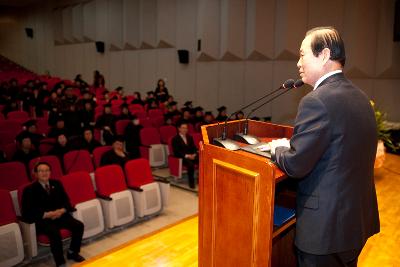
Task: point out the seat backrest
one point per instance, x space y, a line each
157 122
138 172
42 126
46 145
79 187
98 153
7 212
13 174
7 137
166 132
197 137
53 161
110 179
141 114
155 113
146 122
9 150
149 136
17 115
134 108
120 126
78 160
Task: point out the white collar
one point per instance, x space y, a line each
320 80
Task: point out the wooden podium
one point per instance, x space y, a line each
237 193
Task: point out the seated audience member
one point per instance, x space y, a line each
87 141
116 155
30 129
198 115
161 92
58 129
239 115
221 114
152 104
25 150
187 115
137 99
132 138
45 203
106 122
172 109
87 115
208 118
183 147
61 147
118 93
125 113
72 121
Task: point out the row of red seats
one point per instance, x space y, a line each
115 197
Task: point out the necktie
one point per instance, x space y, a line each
47 187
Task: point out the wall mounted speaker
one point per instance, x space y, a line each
100 47
183 56
29 32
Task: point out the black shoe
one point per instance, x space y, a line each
75 257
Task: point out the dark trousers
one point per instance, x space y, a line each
51 228
190 164
341 259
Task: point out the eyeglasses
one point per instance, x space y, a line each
43 171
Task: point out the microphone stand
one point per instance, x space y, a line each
223 141
251 139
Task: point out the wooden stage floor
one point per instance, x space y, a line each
177 245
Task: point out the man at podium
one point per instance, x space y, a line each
332 151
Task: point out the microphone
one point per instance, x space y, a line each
230 144
250 139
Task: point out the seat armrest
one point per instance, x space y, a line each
28 231
161 180
134 188
103 197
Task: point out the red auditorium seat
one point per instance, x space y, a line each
155 113
46 144
146 122
9 150
141 114
135 108
10 234
53 161
13 174
98 153
120 126
197 137
157 122
146 192
151 148
78 160
30 236
166 132
42 126
116 199
19 115
80 190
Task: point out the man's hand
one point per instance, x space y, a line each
54 214
278 142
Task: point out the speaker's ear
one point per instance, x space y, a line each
183 56
100 47
29 32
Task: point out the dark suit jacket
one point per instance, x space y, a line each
333 150
180 148
36 201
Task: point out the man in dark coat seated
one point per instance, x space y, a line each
25 151
87 141
183 147
116 155
45 203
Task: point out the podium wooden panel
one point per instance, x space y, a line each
236 199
